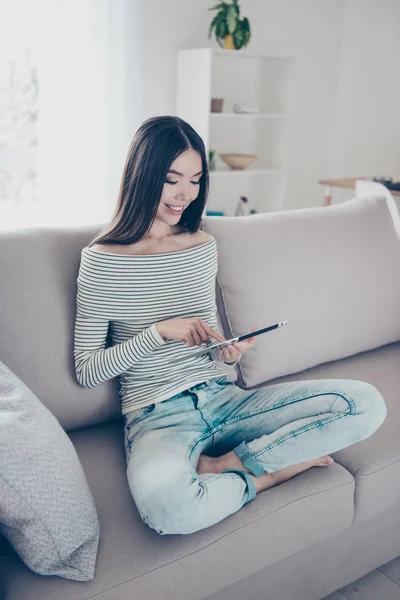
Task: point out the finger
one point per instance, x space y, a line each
225 352
254 337
233 355
196 334
212 332
203 328
189 340
215 334
201 334
229 355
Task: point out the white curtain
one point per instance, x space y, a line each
90 105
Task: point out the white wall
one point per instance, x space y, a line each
308 30
344 120
367 138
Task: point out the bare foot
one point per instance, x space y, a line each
292 470
268 480
209 464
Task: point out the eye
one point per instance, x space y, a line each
175 182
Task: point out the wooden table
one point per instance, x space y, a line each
349 183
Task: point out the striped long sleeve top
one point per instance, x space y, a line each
125 296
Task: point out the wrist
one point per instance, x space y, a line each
160 332
231 364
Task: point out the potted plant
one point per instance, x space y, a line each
231 33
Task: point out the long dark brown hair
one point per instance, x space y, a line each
155 146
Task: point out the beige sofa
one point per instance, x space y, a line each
334 274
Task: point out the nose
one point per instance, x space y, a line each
184 193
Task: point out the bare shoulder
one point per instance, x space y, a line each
177 242
114 248
124 249
202 236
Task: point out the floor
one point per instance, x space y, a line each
381 584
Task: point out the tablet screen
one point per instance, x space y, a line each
216 345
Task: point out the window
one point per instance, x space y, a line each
19 89
70 102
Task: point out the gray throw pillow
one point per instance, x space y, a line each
47 511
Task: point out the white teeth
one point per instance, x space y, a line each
176 208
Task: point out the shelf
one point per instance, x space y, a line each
244 171
254 115
262 82
246 54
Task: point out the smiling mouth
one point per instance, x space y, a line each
177 211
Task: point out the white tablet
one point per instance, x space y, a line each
216 345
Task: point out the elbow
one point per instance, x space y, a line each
86 373
85 384
83 380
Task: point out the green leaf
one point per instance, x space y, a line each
238 38
222 16
231 18
217 6
213 24
245 24
219 18
245 27
220 23
221 29
246 38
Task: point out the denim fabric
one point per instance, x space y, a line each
268 429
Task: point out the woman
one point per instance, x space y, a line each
197 447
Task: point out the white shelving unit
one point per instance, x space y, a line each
243 77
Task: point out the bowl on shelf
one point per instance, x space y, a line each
238 161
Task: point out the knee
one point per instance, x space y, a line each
165 497
375 405
369 404
171 511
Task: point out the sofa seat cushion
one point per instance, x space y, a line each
375 461
136 562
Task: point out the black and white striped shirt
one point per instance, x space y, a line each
127 295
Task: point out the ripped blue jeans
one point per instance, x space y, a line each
268 429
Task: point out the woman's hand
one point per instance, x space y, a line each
192 331
234 352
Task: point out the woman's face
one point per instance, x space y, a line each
180 187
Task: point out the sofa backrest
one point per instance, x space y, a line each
332 272
38 271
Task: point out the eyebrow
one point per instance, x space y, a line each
181 174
